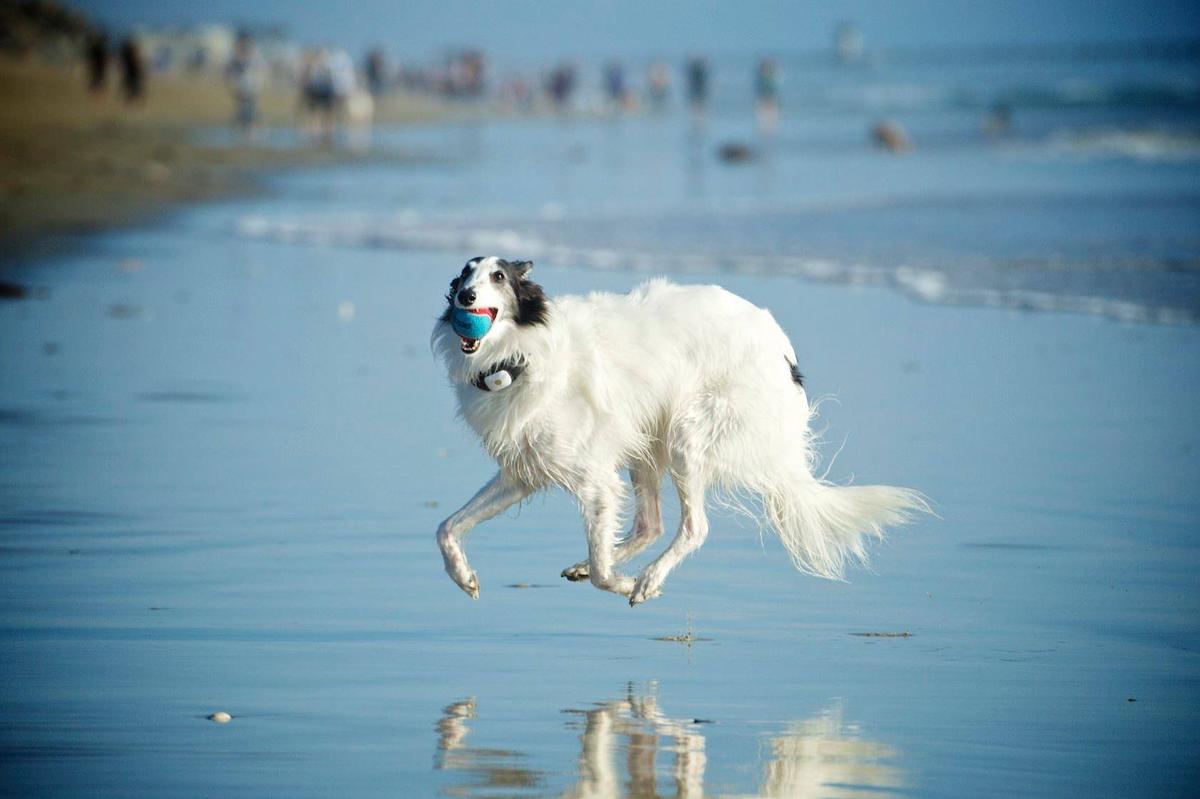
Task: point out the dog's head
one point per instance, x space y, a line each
490 297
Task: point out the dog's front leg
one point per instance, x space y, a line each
498 495
601 502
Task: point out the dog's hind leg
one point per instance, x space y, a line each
647 521
498 495
693 529
600 499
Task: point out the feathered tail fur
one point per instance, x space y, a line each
769 455
823 526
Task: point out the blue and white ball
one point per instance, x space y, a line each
470 325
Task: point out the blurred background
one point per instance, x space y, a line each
1032 154
226 229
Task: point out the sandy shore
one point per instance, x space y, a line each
74 162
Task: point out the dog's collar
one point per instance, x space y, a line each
500 378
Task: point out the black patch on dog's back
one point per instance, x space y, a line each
797 378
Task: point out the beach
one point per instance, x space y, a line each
72 162
225 449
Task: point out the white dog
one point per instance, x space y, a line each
690 381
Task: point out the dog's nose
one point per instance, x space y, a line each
466 297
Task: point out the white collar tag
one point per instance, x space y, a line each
505 375
498 381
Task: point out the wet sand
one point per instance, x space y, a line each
72 162
224 459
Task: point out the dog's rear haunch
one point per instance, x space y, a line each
687 381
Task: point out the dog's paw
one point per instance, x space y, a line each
577 573
644 589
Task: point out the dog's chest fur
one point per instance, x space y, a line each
514 430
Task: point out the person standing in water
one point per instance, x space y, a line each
658 85
766 96
615 88
697 87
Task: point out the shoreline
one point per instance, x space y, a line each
74 163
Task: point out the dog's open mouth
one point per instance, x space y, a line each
470 345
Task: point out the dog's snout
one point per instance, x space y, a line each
466 297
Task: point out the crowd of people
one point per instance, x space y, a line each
562 89
335 93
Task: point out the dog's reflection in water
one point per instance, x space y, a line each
491 769
630 748
636 725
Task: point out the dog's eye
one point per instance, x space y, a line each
497 277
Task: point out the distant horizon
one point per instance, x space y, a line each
537 33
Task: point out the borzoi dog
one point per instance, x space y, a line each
690 381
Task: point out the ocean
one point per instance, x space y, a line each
1080 196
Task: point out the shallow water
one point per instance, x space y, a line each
225 500
225 448
1084 202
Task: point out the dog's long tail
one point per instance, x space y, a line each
824 526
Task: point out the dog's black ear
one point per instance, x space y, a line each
531 302
521 268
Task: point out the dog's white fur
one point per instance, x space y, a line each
690 381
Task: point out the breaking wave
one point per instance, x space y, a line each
1052 284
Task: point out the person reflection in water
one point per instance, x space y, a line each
628 747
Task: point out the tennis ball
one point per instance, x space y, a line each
470 325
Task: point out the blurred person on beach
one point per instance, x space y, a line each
997 122
316 95
133 71
658 85
472 73
464 76
515 95
848 43
697 87
376 72
561 85
766 96
352 104
616 89
247 74
96 57
342 79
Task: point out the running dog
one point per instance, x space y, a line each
690 381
